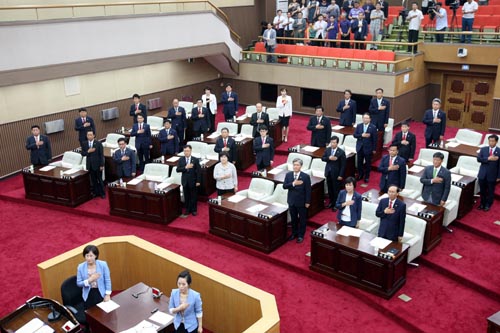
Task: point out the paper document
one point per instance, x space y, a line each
109 305
256 208
349 150
452 144
243 117
348 231
32 326
416 207
275 171
310 149
135 181
47 168
173 159
416 168
277 204
380 242
214 135
71 171
45 329
239 138
455 177
337 127
236 198
162 318
204 161
143 326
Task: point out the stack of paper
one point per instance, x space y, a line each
455 177
135 181
256 208
337 127
71 171
108 306
213 135
416 168
242 117
32 326
416 207
173 159
162 186
275 171
380 243
162 318
348 231
452 144
310 149
236 198
47 168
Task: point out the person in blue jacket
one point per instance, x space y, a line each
349 204
186 306
94 278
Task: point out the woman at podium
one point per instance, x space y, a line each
93 277
185 305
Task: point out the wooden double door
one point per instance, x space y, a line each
468 101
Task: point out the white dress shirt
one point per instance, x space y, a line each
212 102
284 110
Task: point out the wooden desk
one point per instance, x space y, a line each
467 184
130 313
23 314
349 130
244 152
350 166
49 186
456 152
232 221
433 228
274 130
494 323
354 261
141 202
154 152
317 190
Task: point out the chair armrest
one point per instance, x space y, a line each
412 241
58 163
243 193
455 169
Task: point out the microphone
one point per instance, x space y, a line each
53 315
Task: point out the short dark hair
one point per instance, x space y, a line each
168 120
319 107
223 153
348 90
382 90
414 3
35 126
263 127
91 248
350 180
229 85
199 100
367 114
439 4
185 275
334 137
122 140
208 88
393 145
136 96
187 146
283 89
405 123
493 136
438 155
82 110
224 129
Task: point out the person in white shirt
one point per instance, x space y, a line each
225 175
210 102
288 27
468 10
441 21
320 27
278 21
414 18
377 19
284 106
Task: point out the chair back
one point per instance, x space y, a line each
350 143
71 159
112 140
232 127
273 114
156 171
260 187
188 106
71 294
247 130
250 110
175 177
425 156
199 148
306 159
318 167
468 137
156 123
280 195
468 166
359 118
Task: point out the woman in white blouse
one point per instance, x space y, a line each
284 106
210 102
225 176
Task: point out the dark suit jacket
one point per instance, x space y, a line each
178 122
230 108
189 176
320 137
394 177
367 144
347 117
168 146
298 195
379 117
82 130
125 168
355 29
200 124
41 155
142 139
355 209
334 169
231 144
392 226
435 193
95 160
434 130
143 109
489 170
256 126
263 155
406 151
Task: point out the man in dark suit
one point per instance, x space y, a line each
393 169
168 139
437 181
138 108
83 124
258 120
95 163
359 27
226 144
201 118
392 214
406 142
264 149
298 185
489 171
142 133
179 121
379 109
320 127
334 170
189 166
348 109
230 103
366 145
124 159
39 147
435 121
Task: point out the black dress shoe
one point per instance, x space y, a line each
486 208
194 213
481 207
300 240
330 205
292 237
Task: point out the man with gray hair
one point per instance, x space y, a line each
298 185
435 121
437 181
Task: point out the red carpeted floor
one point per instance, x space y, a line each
448 295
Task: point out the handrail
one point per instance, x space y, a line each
492 35
345 41
213 7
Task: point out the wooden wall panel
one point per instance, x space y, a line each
411 105
245 21
495 117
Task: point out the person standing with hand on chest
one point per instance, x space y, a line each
435 121
392 214
489 172
189 166
94 152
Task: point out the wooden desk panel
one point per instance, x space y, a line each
244 152
350 166
154 152
456 152
49 186
131 311
433 228
354 261
141 202
232 221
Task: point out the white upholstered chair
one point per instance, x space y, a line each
388 131
175 178
425 157
198 149
414 236
451 206
232 127
273 114
259 189
70 160
359 119
155 122
112 140
155 172
467 137
188 106
279 198
468 166
369 221
289 162
413 187
247 130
